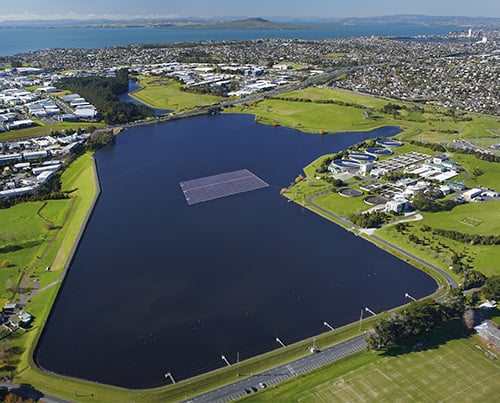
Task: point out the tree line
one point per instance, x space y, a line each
319 101
473 239
424 316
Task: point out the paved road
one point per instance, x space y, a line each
451 281
284 372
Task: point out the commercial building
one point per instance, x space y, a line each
471 194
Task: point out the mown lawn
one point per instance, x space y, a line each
341 205
489 172
166 94
450 367
311 117
484 218
325 94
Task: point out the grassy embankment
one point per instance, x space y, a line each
166 94
450 365
47 236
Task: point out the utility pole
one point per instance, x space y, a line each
238 363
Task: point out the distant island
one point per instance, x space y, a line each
245 24
257 23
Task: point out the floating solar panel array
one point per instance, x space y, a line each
221 185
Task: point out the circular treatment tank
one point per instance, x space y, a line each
362 157
375 200
348 192
389 143
378 151
346 163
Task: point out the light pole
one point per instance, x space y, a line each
360 320
225 360
169 375
280 342
238 363
369 310
328 326
409 296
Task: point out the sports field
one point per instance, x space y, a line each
455 371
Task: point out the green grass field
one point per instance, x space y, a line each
46 129
311 117
452 370
343 206
432 125
25 231
490 172
167 94
483 218
325 94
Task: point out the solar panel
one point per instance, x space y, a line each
221 185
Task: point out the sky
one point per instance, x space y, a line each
57 9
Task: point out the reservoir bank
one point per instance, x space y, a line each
159 286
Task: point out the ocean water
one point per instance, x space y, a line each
21 40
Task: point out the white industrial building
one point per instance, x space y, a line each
471 194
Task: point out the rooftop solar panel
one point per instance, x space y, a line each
221 185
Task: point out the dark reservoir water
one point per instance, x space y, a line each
158 286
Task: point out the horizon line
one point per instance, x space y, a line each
92 17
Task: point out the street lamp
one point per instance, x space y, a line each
369 310
280 342
225 360
169 375
409 296
328 326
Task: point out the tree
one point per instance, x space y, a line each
13 398
491 288
422 202
472 279
5 348
420 316
454 303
